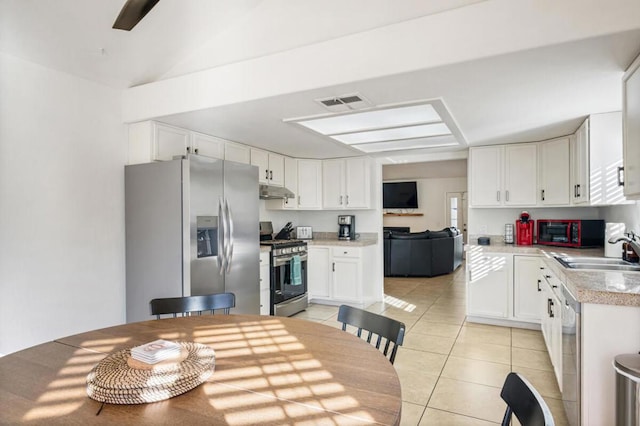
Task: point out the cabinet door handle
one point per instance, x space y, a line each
266 174
188 150
543 195
298 200
539 286
196 150
498 196
271 174
333 266
578 187
620 176
551 315
340 200
507 195
347 199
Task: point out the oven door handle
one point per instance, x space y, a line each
282 260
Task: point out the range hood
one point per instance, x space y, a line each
268 192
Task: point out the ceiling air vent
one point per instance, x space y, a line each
344 103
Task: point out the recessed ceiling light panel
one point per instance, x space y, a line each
421 143
394 134
380 119
418 125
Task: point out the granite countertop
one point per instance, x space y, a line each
336 242
587 285
331 239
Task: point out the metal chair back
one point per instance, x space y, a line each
390 330
190 305
524 401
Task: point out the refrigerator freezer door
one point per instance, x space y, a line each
205 188
154 235
243 249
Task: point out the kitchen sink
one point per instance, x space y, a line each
600 263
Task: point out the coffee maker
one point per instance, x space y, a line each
347 230
524 230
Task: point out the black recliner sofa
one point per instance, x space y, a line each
422 254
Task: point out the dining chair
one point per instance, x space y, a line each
524 401
385 328
193 304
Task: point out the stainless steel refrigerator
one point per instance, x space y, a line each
191 229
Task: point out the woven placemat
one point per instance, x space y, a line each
114 381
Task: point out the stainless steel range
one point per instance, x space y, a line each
288 281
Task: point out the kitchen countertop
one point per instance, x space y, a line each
587 285
362 242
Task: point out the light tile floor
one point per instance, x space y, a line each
451 371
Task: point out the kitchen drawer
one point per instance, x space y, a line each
346 252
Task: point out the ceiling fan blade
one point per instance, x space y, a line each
132 12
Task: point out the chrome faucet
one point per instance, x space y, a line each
629 238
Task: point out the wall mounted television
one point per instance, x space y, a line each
399 195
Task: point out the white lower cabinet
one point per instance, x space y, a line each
338 275
265 277
347 275
318 272
551 319
488 284
526 288
502 288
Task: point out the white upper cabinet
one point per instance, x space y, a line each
596 161
260 159
631 134
554 174
169 142
580 165
485 176
333 195
346 183
276 169
291 182
310 184
605 159
520 174
270 167
358 183
207 146
237 152
152 141
503 175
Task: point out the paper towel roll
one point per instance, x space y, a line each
613 230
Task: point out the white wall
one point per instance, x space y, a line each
62 151
432 203
627 214
492 221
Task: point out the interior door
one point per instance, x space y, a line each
456 211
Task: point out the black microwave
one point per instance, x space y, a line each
571 233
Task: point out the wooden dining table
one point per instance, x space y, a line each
268 370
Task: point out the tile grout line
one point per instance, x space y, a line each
445 361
